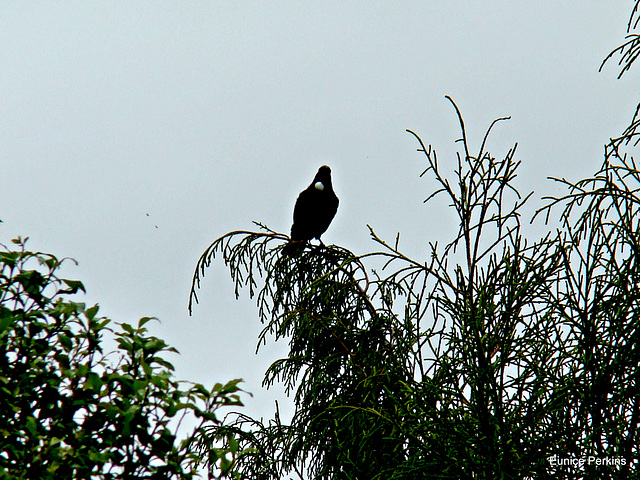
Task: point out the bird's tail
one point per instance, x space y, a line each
294 248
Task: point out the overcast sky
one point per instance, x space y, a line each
133 134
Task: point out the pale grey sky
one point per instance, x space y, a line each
207 115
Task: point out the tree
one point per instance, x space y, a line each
68 409
498 356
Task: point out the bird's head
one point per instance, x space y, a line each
323 178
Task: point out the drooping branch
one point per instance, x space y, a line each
241 258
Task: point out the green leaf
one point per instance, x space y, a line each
74 286
91 312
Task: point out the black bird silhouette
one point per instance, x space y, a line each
315 208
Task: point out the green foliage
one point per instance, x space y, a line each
629 52
597 303
486 360
498 355
70 410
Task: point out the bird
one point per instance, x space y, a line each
314 210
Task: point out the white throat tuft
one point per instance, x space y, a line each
319 186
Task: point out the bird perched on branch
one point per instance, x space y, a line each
315 208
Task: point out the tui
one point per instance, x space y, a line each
315 208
